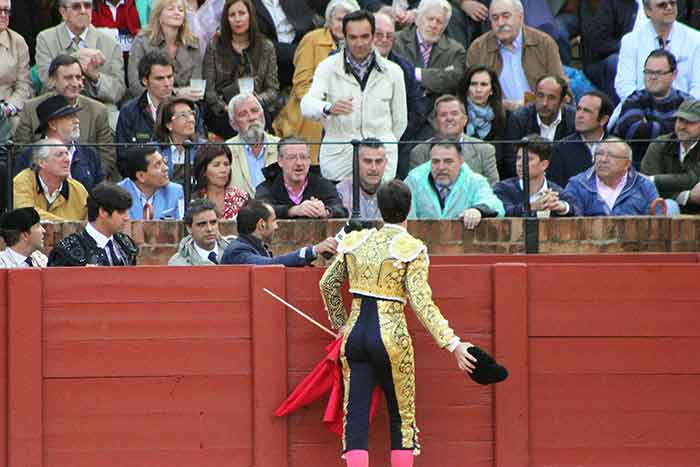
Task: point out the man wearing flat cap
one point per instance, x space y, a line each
673 160
24 239
58 119
47 186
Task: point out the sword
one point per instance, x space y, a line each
301 313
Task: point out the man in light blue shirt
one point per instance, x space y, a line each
512 79
154 195
661 31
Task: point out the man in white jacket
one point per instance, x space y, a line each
357 94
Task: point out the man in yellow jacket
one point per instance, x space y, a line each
47 188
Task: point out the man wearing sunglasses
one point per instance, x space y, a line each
100 55
665 32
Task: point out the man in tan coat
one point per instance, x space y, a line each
65 77
252 148
519 54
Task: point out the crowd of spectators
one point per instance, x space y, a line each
450 96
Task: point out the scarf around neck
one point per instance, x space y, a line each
480 119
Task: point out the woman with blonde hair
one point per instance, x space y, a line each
167 31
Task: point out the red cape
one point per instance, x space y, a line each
325 377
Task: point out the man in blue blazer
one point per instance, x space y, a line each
154 195
257 223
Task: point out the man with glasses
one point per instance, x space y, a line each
661 31
100 55
294 190
649 112
612 187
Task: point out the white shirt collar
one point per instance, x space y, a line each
96 235
50 197
83 35
18 258
555 123
395 226
682 152
204 254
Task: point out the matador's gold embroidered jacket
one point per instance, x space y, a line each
388 264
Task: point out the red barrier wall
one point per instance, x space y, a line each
154 366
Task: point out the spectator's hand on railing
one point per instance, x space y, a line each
310 208
471 218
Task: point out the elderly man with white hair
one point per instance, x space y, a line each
519 54
252 148
48 188
439 61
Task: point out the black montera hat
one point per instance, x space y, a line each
54 107
21 219
487 370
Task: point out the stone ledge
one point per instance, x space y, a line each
158 240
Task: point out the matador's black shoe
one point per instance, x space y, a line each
487 370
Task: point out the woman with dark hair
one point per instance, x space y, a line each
484 105
177 126
212 172
238 51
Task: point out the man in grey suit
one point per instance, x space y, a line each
65 77
440 61
100 55
449 119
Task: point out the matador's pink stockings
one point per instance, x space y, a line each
357 458
401 458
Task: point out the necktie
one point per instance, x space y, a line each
148 212
28 261
115 260
76 42
212 258
662 43
425 52
444 193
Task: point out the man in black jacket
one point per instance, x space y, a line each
549 116
576 152
294 190
101 243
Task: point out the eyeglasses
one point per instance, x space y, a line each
607 155
381 35
185 114
77 6
297 157
656 73
4 12
667 4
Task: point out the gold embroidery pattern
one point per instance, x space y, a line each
421 298
330 285
354 314
399 347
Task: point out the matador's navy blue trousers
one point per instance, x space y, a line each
369 365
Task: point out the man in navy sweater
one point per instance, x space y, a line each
546 197
257 223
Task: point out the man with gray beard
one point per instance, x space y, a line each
58 119
252 148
